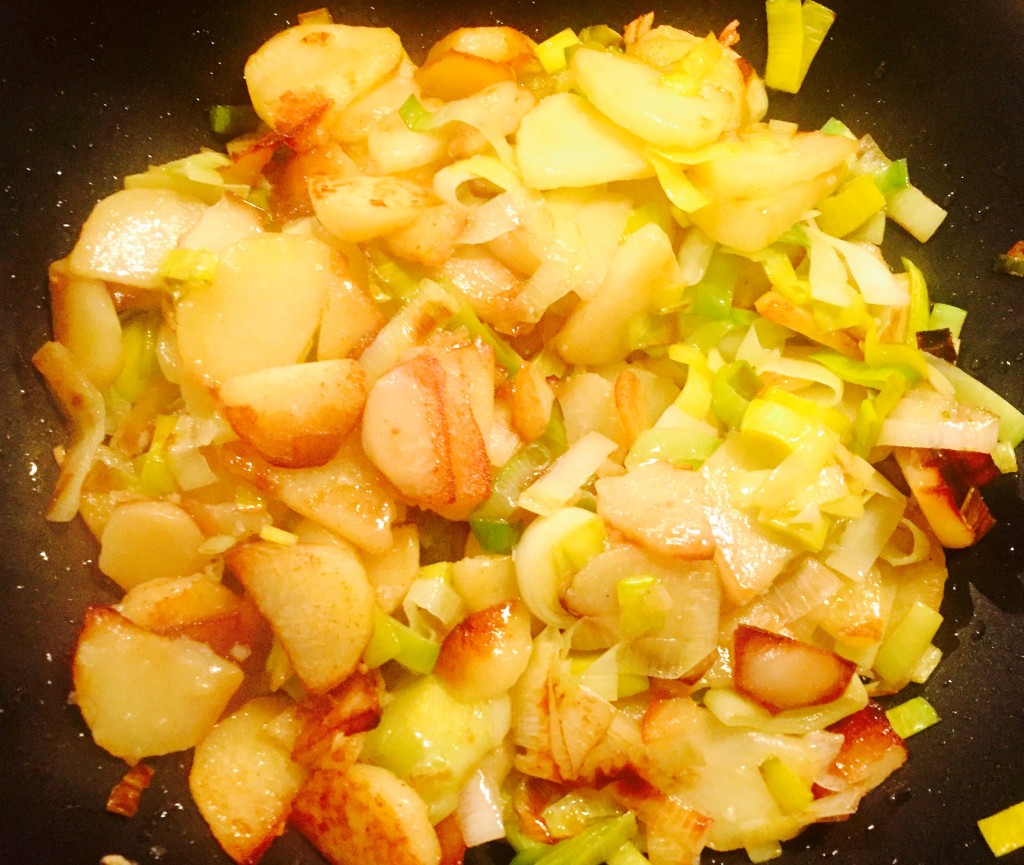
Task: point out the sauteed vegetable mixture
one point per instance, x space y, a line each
529 444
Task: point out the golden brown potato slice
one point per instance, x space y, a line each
455 75
500 44
365 815
261 310
312 67
361 208
318 602
143 694
297 415
144 540
243 778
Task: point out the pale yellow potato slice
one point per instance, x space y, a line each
318 602
261 310
596 330
228 220
243 778
361 208
297 415
85 321
365 815
128 235
143 694
350 320
637 98
169 601
146 540
565 141
312 67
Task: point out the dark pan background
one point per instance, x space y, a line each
92 91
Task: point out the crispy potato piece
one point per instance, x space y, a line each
318 602
243 778
143 694
500 44
455 75
304 69
365 815
430 238
298 415
362 208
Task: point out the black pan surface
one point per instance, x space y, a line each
92 91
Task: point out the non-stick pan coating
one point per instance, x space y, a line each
91 91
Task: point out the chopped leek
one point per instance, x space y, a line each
680 191
683 448
946 317
791 793
850 207
893 177
393 641
414 114
903 645
1004 830
732 389
592 846
795 33
153 467
969 390
912 717
138 357
504 354
232 120
183 268
642 604
916 212
278 536
551 52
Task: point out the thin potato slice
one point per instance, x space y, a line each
359 208
298 415
305 69
365 815
318 602
243 778
143 694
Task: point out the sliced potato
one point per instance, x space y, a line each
143 694
349 322
312 67
637 98
228 220
455 75
85 321
243 778
365 815
261 310
318 602
128 235
566 141
500 44
361 208
298 415
145 540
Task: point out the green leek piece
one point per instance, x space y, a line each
835 126
909 360
677 186
627 854
504 355
894 177
850 207
695 397
642 604
1009 264
912 717
578 546
917 315
646 331
279 536
139 364
791 793
577 810
732 389
945 316
1004 830
903 646
153 467
491 523
183 268
551 52
871 414
656 211
395 281
778 428
914 211
592 846
683 448
969 390
393 641
712 296
601 34
414 114
197 175
862 373
232 120
795 33
834 419
438 571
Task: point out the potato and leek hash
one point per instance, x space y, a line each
531 444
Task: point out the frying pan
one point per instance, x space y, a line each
92 91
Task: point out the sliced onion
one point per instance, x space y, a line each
939 423
438 599
479 811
